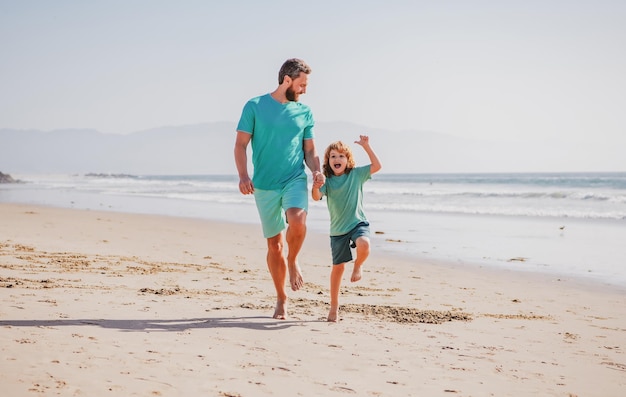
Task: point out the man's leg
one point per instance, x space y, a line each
296 231
277 266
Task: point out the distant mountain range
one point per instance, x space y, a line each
208 149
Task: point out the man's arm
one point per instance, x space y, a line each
312 161
311 158
241 161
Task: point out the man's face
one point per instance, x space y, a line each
297 87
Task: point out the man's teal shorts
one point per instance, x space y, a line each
272 204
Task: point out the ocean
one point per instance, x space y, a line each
565 224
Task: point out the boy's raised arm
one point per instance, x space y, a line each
364 141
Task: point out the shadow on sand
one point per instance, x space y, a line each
253 323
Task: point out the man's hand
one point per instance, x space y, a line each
246 186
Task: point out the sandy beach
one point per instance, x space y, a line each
104 303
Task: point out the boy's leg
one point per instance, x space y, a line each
335 284
362 252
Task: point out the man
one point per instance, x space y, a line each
281 131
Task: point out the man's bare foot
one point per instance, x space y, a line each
333 314
280 311
356 273
295 277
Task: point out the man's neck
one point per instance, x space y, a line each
279 96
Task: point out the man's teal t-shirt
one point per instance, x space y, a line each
345 199
278 132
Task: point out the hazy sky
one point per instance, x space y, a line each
506 70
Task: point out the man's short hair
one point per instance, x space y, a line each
292 68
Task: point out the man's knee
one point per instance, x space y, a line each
275 244
296 217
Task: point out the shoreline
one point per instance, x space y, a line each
465 247
585 248
99 301
383 245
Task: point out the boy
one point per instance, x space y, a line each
349 227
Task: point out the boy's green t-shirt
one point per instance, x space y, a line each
278 132
344 198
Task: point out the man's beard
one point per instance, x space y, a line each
291 95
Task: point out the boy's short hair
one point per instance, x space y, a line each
292 68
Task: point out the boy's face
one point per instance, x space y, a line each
337 161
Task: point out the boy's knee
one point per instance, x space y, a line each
362 243
363 240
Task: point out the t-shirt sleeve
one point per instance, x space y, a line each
364 173
310 123
246 121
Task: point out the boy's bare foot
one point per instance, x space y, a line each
295 277
280 311
333 314
356 273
